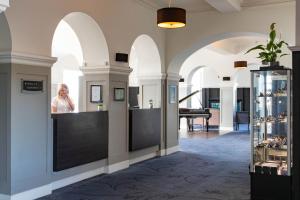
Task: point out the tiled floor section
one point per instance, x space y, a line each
206 169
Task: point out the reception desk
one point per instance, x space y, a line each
79 138
144 128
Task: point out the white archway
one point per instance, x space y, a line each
144 59
78 43
177 62
146 66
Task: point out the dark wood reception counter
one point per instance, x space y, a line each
79 138
144 128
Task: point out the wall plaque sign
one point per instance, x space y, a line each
32 86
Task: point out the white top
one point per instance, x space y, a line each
61 105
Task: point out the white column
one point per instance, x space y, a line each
227 108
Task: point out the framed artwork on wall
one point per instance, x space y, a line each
96 94
172 93
119 94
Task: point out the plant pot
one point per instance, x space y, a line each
271 64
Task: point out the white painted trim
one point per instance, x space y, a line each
226 128
106 69
173 77
162 152
152 77
295 48
77 178
29 194
142 158
172 150
3 5
117 167
26 59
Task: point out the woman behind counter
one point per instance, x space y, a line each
62 103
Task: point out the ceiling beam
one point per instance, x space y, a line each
226 6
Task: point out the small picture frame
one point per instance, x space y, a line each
172 94
119 94
96 94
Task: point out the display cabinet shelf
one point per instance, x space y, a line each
271 136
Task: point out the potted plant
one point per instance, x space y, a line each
270 52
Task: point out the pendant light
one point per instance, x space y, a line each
171 17
240 64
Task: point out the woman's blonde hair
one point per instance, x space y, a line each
62 85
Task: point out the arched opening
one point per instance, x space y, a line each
204 70
146 64
79 44
218 58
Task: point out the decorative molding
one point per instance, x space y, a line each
142 158
153 77
104 69
117 167
77 178
3 5
172 150
30 194
295 48
26 59
173 77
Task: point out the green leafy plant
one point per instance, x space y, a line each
272 50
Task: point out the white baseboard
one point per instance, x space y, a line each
30 194
117 167
226 128
77 178
47 189
172 150
162 152
142 158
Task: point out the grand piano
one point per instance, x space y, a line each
191 114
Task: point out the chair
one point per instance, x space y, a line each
242 117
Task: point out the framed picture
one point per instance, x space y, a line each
119 94
172 93
96 94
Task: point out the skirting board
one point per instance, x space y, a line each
30 194
117 167
162 152
172 150
47 189
77 178
226 128
142 158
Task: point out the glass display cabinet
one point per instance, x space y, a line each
271 136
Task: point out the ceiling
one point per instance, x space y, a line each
202 5
236 45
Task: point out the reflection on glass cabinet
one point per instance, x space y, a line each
271 122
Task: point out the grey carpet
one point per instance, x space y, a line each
205 169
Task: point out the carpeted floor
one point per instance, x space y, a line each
205 169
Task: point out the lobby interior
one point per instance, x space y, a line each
126 137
